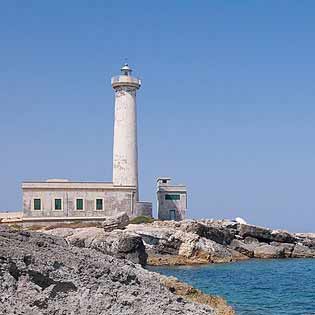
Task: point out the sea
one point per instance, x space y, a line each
255 287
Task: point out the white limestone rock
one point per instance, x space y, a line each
266 235
287 248
269 251
302 251
118 243
119 221
240 220
244 248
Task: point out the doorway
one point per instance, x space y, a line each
172 214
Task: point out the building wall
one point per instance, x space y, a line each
114 201
144 209
164 205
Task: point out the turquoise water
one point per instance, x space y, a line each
256 287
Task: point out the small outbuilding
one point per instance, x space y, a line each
171 200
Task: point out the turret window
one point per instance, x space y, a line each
172 197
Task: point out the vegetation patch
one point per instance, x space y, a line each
17 227
141 219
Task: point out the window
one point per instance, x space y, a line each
37 204
58 204
79 204
172 197
164 181
99 204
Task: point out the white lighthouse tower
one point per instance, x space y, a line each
125 151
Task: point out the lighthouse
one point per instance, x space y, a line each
125 150
69 201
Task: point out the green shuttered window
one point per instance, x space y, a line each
79 204
37 204
172 197
58 204
99 204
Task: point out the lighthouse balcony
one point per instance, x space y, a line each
125 80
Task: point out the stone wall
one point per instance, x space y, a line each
144 209
114 201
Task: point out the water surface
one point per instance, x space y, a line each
256 287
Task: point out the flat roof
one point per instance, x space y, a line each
177 188
72 185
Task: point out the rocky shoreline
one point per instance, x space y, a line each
45 274
99 269
218 241
189 241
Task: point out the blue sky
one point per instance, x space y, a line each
226 106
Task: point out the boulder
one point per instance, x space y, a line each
219 235
82 237
237 256
191 226
150 233
119 221
260 233
185 239
269 251
200 248
120 244
216 252
251 240
287 248
302 251
309 242
159 240
169 246
266 235
306 239
282 236
243 248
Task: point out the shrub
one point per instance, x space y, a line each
141 219
15 226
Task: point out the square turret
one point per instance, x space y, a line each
171 200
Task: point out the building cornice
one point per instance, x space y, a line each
73 185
